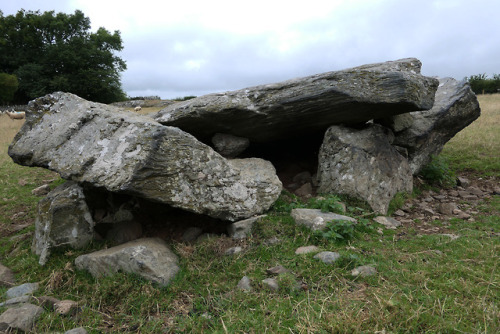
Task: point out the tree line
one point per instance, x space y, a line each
481 84
45 52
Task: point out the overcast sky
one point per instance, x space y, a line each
182 47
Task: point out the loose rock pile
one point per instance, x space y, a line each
363 131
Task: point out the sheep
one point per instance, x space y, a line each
16 114
137 108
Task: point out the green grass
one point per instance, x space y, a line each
425 283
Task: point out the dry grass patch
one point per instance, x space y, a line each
477 146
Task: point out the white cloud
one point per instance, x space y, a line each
176 48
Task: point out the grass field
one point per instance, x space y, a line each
425 282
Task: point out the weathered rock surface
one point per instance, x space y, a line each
327 257
455 107
15 301
364 271
363 164
6 276
306 249
79 330
271 284
306 105
22 290
245 284
21 318
149 258
242 228
132 154
389 222
315 219
229 146
63 219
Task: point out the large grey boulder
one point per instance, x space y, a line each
306 105
363 164
63 219
455 107
123 152
149 258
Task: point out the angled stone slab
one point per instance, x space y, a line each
306 105
105 147
455 107
149 258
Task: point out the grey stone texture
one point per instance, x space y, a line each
63 219
149 258
363 164
133 154
306 105
455 107
315 219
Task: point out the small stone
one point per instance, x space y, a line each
242 228
399 213
446 208
306 249
41 191
440 197
463 182
302 178
245 284
327 257
191 234
305 190
388 222
475 191
272 241
460 214
21 318
271 284
79 330
467 195
6 276
364 271
496 191
429 212
233 250
315 219
15 301
65 307
451 236
22 290
276 270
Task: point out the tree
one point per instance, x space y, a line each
57 52
480 84
8 86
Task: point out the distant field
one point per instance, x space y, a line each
477 147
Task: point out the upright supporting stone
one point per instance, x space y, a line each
363 164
